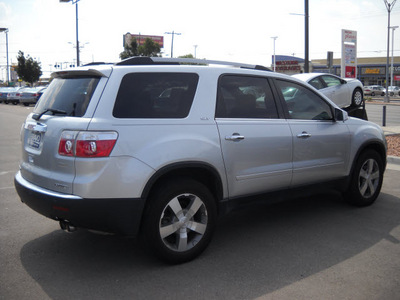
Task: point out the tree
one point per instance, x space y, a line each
149 48
187 56
28 69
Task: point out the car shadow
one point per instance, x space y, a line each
255 251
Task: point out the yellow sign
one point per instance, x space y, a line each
372 71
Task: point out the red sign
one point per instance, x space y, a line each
142 38
396 77
350 72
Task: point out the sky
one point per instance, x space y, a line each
222 29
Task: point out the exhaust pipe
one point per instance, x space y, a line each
67 226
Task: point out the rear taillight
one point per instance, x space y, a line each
87 143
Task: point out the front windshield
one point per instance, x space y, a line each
71 95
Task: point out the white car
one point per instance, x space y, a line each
343 92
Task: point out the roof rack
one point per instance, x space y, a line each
144 60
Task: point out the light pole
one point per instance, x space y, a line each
195 50
389 7
8 72
306 37
391 69
172 43
77 39
274 62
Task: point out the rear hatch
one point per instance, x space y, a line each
65 108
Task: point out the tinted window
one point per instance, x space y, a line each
303 103
245 97
316 83
155 95
71 95
331 81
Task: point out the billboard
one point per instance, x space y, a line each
140 38
349 54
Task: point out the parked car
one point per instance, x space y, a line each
30 95
343 92
394 90
160 147
3 93
13 95
374 90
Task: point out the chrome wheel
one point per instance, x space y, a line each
183 222
179 220
369 178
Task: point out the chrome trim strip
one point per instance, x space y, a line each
37 189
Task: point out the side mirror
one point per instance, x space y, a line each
341 115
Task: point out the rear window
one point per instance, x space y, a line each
71 95
155 95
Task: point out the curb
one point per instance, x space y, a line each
393 160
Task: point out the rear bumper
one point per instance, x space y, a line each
121 216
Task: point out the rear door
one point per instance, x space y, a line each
256 143
64 107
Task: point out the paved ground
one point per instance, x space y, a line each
314 248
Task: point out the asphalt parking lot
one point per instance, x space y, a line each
314 248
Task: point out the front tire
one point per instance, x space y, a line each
179 220
366 180
357 97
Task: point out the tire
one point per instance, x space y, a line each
15 102
26 104
6 102
366 181
174 232
357 98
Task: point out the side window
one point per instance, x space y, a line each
245 97
303 103
155 95
316 82
331 81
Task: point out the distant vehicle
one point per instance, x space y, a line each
13 96
394 90
374 90
3 93
30 95
343 92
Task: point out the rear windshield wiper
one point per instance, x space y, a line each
53 110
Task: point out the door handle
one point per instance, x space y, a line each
304 135
234 137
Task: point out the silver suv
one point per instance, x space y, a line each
162 147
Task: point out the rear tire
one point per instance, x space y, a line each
357 97
366 181
179 220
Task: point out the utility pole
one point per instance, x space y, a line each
306 42
5 30
172 43
77 39
274 63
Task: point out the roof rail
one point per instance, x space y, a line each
144 60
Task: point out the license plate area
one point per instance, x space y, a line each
35 140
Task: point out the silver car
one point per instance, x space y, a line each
161 147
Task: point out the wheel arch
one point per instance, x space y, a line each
202 172
372 145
